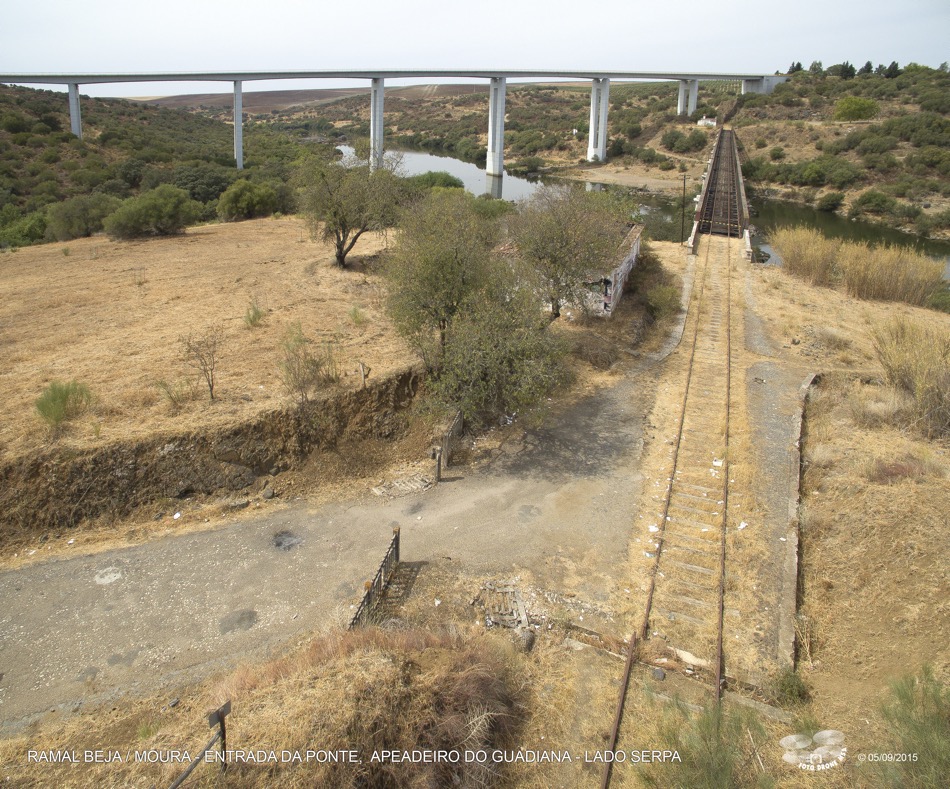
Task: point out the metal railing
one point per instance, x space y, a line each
375 589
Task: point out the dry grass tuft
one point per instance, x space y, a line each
916 360
887 273
807 254
889 471
880 273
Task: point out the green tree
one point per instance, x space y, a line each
501 357
163 211
442 256
566 236
342 201
79 216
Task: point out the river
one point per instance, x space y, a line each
769 214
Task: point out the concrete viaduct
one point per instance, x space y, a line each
599 97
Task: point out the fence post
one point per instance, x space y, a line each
396 543
216 718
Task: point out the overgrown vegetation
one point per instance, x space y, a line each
882 273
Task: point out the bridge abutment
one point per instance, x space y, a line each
597 137
495 164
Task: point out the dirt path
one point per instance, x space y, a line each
551 506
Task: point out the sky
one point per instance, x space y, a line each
741 36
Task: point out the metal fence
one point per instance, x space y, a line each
376 588
448 441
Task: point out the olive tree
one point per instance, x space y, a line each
442 255
344 200
566 236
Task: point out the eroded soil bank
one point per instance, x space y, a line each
60 487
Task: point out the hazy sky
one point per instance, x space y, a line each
630 35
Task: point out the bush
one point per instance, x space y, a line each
62 402
888 273
663 300
830 201
436 179
79 216
873 202
300 371
246 200
855 108
164 211
916 359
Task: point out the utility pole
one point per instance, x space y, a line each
683 213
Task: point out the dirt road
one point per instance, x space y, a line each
551 506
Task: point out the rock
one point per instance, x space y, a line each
237 504
268 492
525 639
659 674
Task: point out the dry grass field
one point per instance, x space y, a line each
111 315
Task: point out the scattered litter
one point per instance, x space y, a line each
743 525
782 539
70 542
438 602
654 528
717 463
177 515
649 554
418 517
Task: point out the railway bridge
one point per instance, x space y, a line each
599 98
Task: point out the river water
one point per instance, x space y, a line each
770 214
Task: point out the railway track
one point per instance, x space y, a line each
685 603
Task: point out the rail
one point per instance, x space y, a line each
695 575
375 590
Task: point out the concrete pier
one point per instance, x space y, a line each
693 94
681 97
376 124
75 116
599 102
495 164
238 125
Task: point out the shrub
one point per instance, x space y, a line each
777 153
79 216
436 179
203 352
246 200
855 108
787 688
178 393
830 201
919 717
254 314
163 211
61 402
299 370
916 359
663 300
873 202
